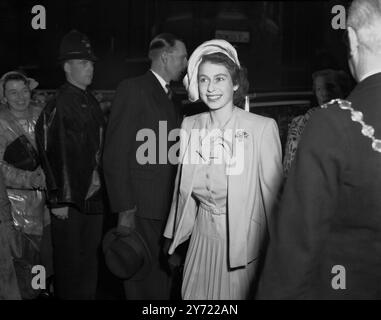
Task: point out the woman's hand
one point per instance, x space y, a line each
37 179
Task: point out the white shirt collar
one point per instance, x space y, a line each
161 80
371 73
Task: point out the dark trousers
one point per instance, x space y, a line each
75 243
157 285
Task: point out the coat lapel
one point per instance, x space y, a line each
237 193
185 207
189 156
164 105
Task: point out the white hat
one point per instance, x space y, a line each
208 47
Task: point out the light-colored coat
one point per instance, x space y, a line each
251 194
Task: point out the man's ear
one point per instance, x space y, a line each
164 57
66 67
235 87
353 42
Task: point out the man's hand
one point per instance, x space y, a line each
127 218
61 213
174 261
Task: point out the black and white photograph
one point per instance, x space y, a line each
187 155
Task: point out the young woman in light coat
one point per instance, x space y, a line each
227 181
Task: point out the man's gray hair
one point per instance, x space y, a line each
364 17
163 41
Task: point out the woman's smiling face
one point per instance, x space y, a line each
17 94
215 85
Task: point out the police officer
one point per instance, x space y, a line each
70 134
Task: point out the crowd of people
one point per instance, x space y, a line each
212 211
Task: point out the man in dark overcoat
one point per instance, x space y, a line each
326 240
139 174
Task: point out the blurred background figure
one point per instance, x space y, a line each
9 289
327 84
23 176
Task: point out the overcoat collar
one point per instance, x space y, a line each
162 102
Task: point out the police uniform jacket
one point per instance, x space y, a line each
69 132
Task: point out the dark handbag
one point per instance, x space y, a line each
21 154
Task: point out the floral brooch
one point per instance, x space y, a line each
241 134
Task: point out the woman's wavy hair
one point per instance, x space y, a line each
238 74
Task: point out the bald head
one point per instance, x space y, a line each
162 42
364 17
364 34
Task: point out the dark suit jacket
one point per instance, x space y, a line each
140 103
330 212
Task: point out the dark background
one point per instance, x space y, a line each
288 39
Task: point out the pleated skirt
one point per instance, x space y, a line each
206 273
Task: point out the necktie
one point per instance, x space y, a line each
169 91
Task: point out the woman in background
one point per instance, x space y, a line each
222 205
9 289
23 176
327 84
